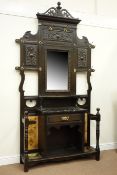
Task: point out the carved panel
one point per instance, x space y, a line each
82 57
58 33
31 55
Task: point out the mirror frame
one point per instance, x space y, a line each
43 74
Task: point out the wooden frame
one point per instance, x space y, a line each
56 109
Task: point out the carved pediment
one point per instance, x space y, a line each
58 12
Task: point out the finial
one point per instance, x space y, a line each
59 5
98 109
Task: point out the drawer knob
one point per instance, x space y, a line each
65 118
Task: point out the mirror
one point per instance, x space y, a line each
57 70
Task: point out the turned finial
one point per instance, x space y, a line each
98 114
98 109
59 5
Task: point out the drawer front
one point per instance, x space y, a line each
64 118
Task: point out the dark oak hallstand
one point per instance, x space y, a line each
57 126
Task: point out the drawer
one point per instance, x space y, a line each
64 118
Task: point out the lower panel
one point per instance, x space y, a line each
33 133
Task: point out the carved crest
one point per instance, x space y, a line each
58 12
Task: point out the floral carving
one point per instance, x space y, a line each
58 33
82 57
31 55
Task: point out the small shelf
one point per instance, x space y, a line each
65 154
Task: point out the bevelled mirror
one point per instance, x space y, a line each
57 70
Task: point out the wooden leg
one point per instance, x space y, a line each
98 155
26 163
21 162
97 135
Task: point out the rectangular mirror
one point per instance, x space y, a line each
57 70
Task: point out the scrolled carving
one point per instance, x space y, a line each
27 34
82 57
22 82
58 12
31 52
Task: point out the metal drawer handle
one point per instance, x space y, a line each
65 118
